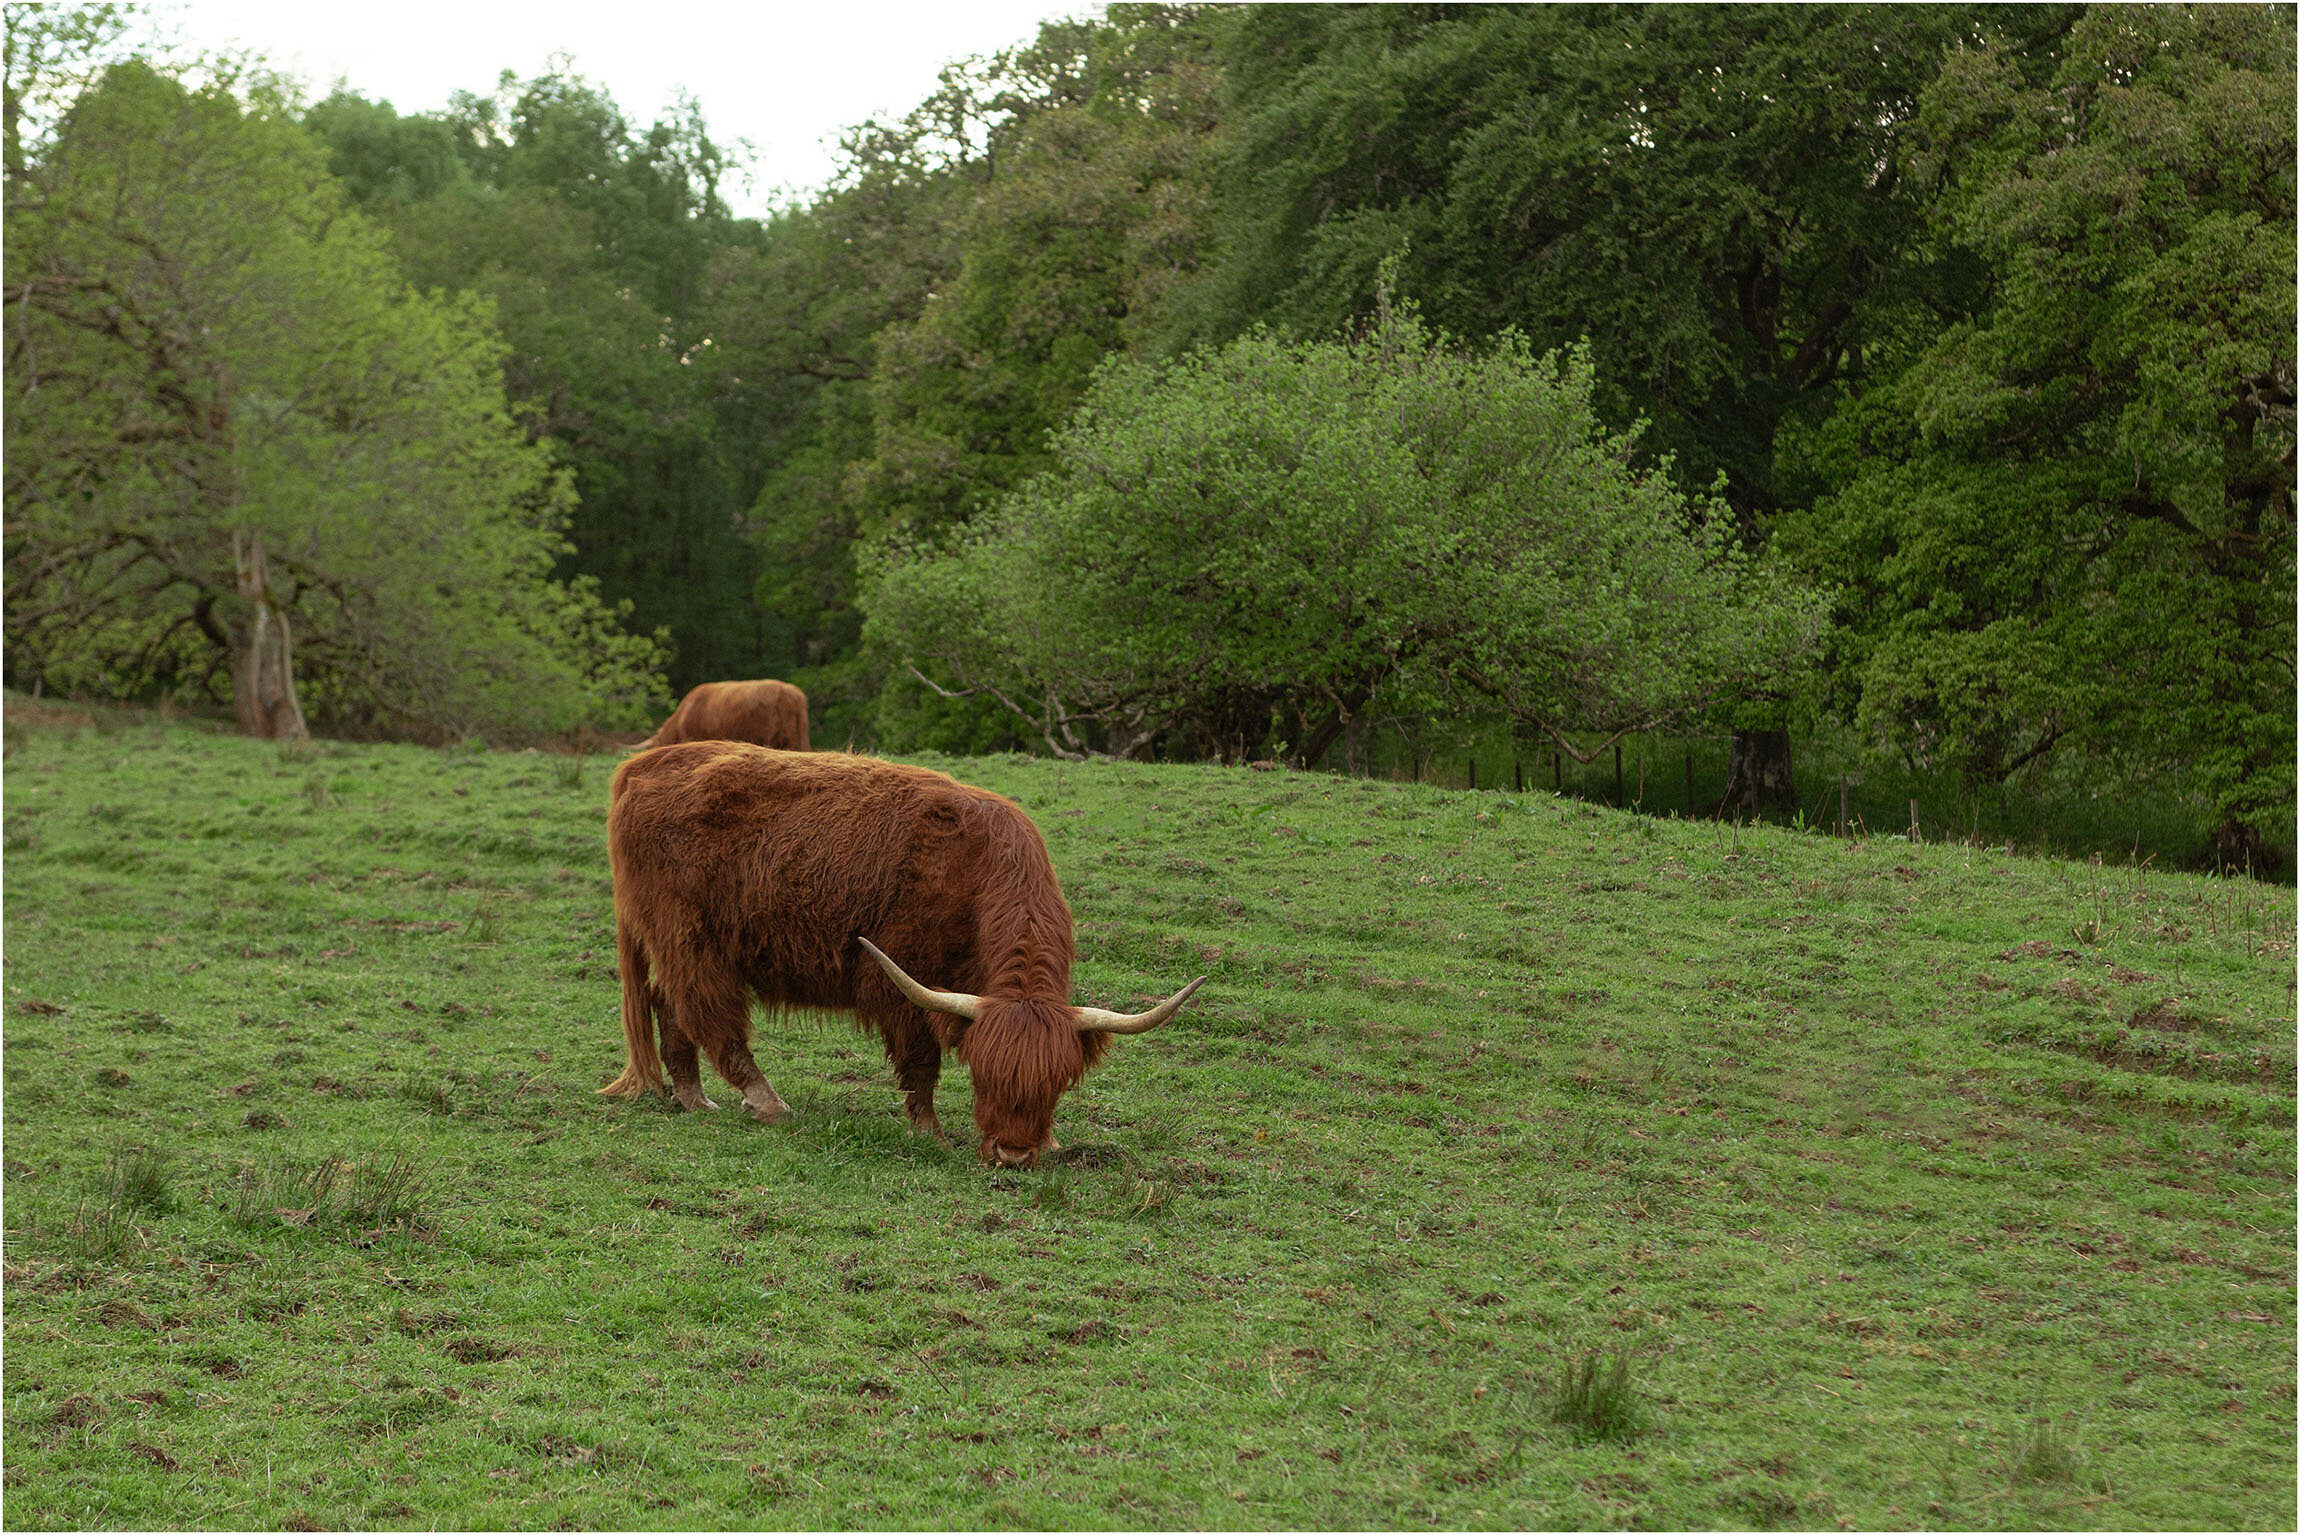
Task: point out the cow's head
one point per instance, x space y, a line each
1024 1055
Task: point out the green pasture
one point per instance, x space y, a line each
1524 1163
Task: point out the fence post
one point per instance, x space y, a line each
1517 775
1620 800
1557 770
1913 821
1473 772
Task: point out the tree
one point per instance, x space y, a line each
904 345
1261 541
594 242
244 456
797 320
1080 214
2066 527
1716 197
51 53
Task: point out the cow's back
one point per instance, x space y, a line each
763 713
772 862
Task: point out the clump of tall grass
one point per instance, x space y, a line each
96 1234
384 1191
427 1093
1157 1134
138 1178
2048 1452
486 924
1596 1398
102 1225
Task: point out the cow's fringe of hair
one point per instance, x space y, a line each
1023 1055
642 1067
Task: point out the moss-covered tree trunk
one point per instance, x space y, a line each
263 670
1759 776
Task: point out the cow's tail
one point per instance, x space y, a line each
642 1067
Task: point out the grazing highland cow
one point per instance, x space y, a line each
817 881
766 713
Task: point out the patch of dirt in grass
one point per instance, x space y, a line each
476 1350
2165 1015
79 1410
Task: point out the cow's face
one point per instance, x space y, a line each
1023 1057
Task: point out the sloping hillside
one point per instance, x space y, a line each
1917 1185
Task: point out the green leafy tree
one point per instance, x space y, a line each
385 160
594 241
1081 210
244 456
1717 197
797 319
1262 541
903 345
2066 529
51 53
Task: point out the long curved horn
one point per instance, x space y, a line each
1093 1020
965 1004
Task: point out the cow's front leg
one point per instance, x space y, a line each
917 1057
919 1105
760 1100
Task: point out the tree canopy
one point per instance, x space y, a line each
594 242
1716 196
1132 392
2066 525
1254 544
231 422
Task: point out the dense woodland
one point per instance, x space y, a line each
1901 393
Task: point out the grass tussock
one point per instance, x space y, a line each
1595 1397
2049 1451
382 1191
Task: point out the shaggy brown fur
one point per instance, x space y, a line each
740 870
764 713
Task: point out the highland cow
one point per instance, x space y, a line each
825 881
764 713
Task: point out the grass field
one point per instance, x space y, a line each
1523 1163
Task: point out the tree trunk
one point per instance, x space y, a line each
1758 777
1344 716
2236 846
263 673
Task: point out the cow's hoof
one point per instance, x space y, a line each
696 1103
775 1112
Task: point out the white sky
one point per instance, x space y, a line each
788 77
